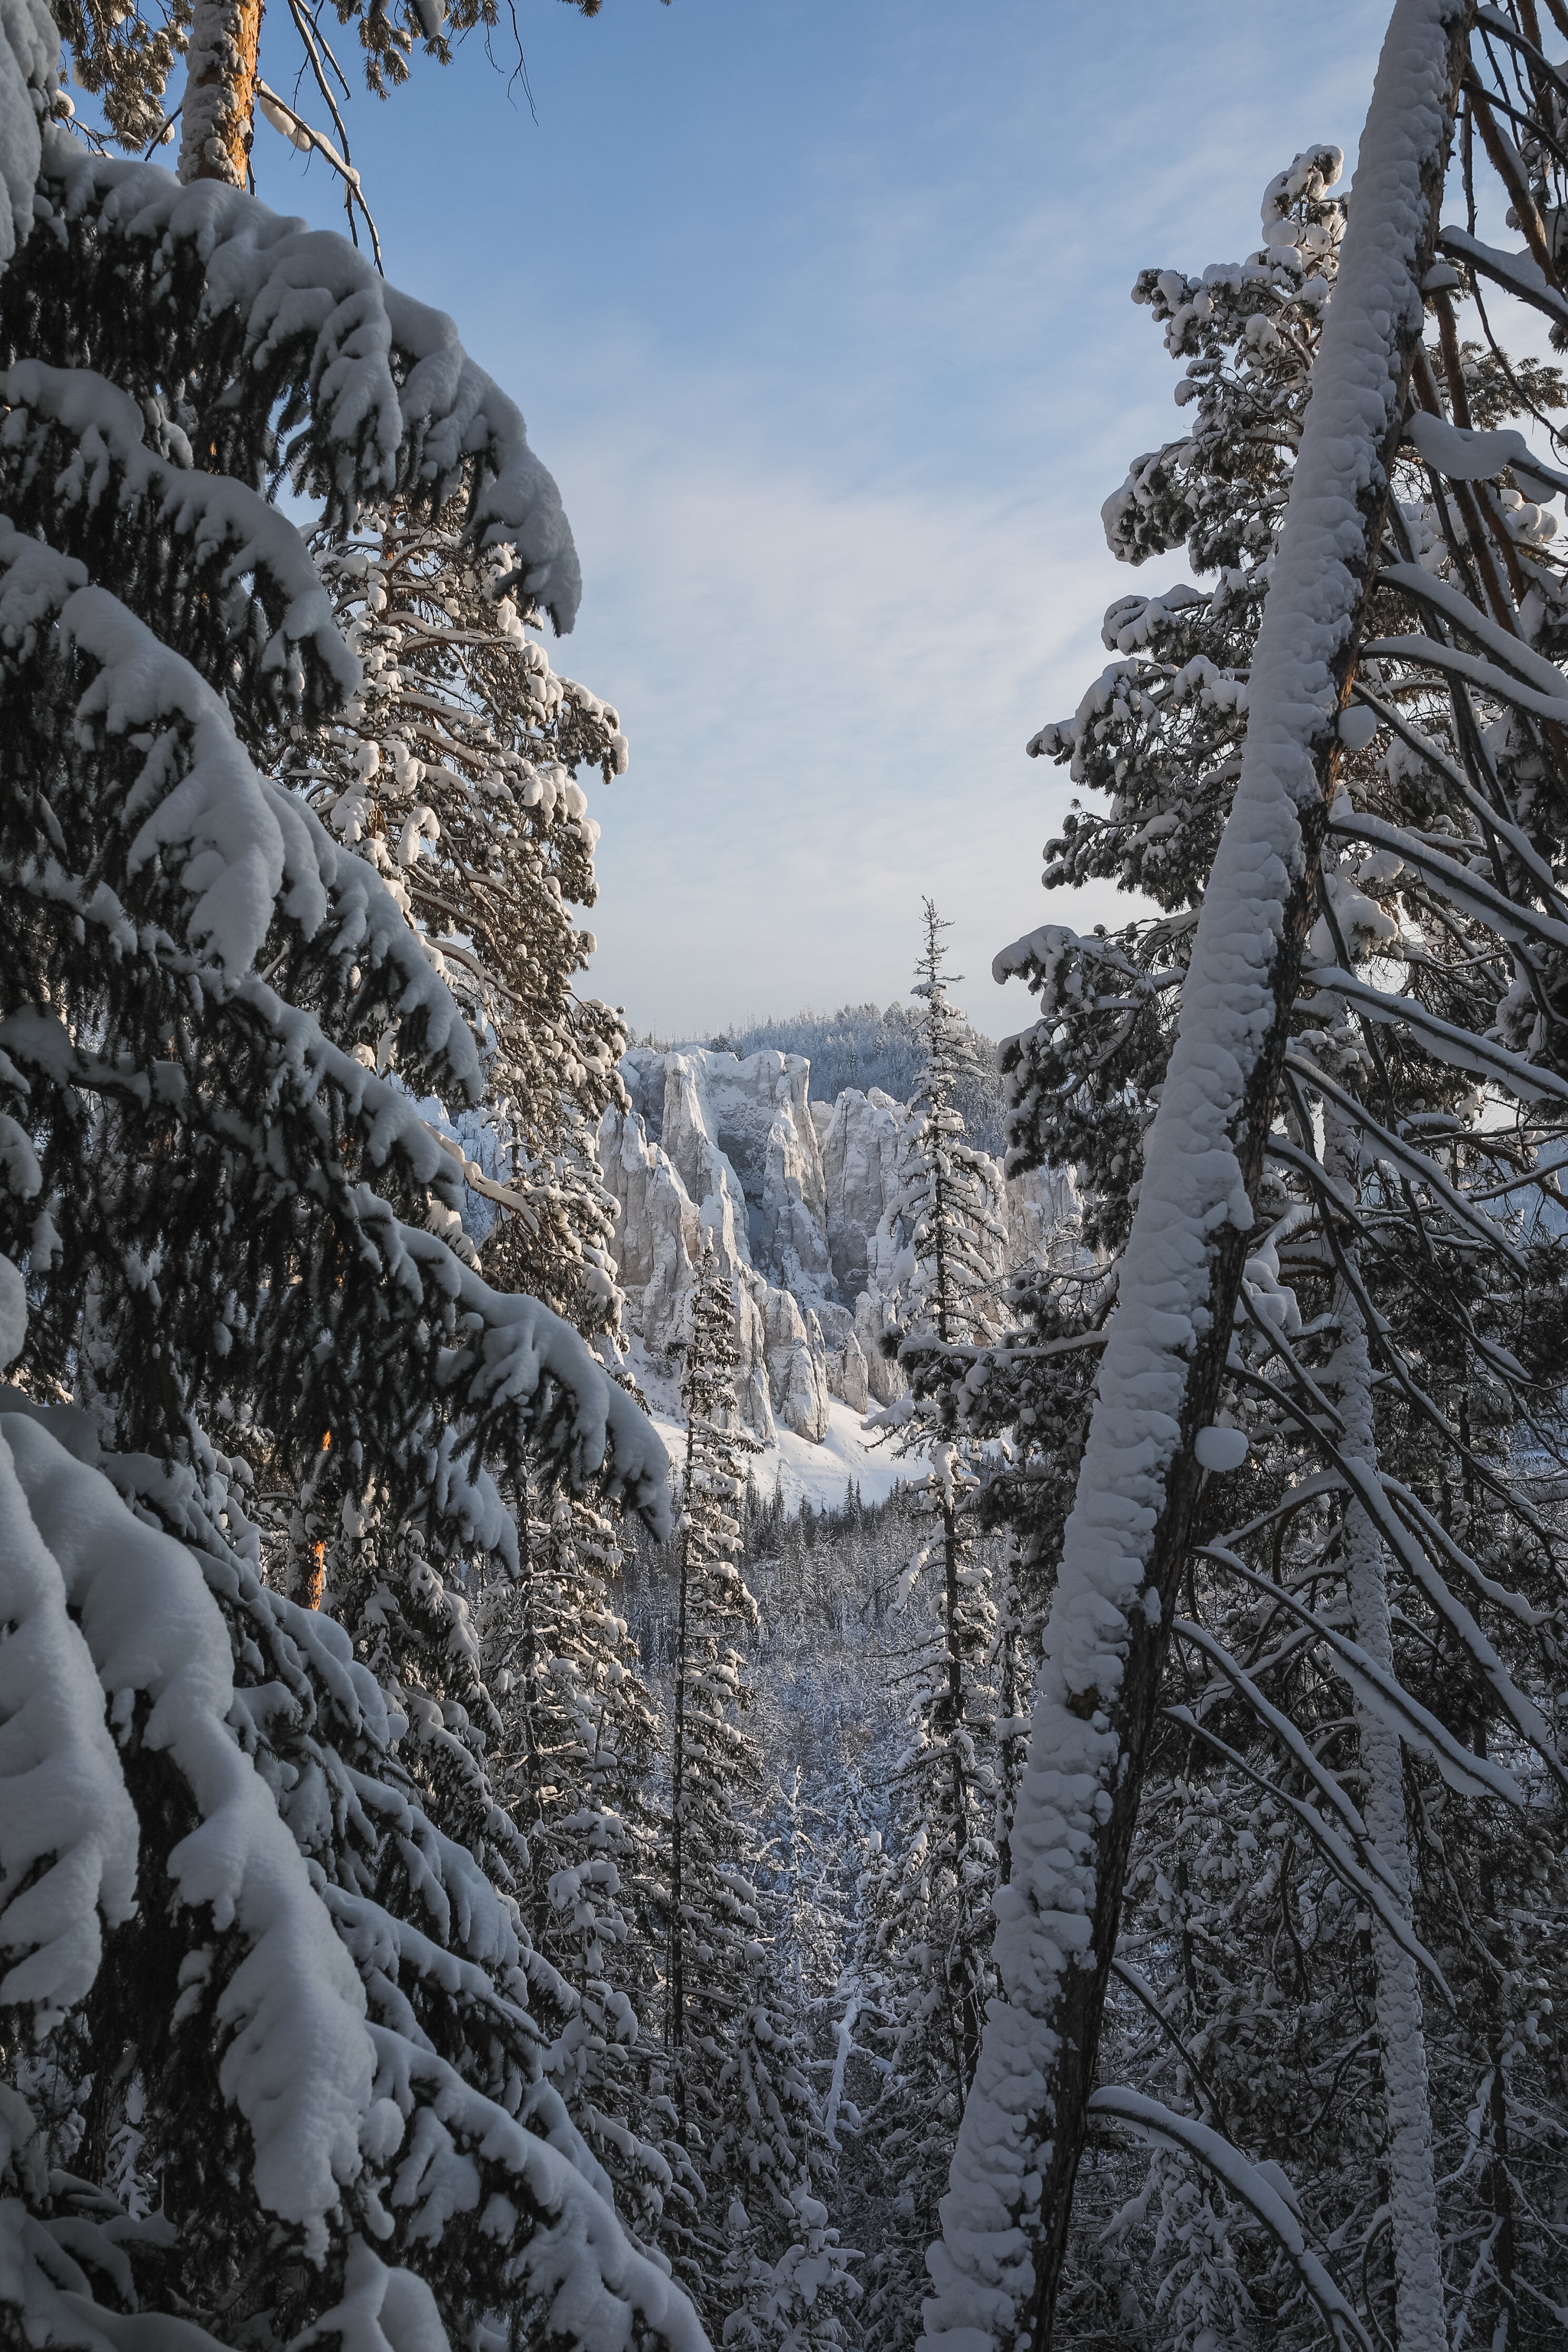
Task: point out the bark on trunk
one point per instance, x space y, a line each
220 91
675 2018
1499 2176
1412 2188
997 2266
962 1991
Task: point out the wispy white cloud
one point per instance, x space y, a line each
820 318
827 694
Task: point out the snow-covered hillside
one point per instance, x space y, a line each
803 1470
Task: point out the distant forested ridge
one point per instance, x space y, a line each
865 1046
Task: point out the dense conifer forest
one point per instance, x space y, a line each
480 1866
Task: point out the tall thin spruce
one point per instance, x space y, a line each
711 1598
958 1240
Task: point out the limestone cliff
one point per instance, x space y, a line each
800 1201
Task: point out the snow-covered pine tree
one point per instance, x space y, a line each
124 60
252 1926
453 772
1159 734
761 2259
1131 737
1486 609
1287 1989
124 57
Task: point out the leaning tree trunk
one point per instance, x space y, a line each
1005 2220
219 107
1412 2186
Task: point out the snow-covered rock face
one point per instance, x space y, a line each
797 1364
800 1200
658 1238
727 1150
859 1145
746 1127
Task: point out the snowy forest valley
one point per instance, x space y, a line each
832 1687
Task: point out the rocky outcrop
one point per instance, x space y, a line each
719 1150
746 1126
797 1363
848 1373
799 1201
858 1139
659 1239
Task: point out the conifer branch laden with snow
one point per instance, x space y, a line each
1439 1244
321 2037
453 772
998 2268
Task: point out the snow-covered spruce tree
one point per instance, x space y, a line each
577 1739
927 1922
760 2258
221 2000
262 1971
169 548
949 1201
531 1735
452 772
454 762
1126 1545
922 1966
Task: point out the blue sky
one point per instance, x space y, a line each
819 314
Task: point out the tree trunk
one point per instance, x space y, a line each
1010 1701
968 2035
675 2015
998 2265
220 91
1498 2176
1412 2189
